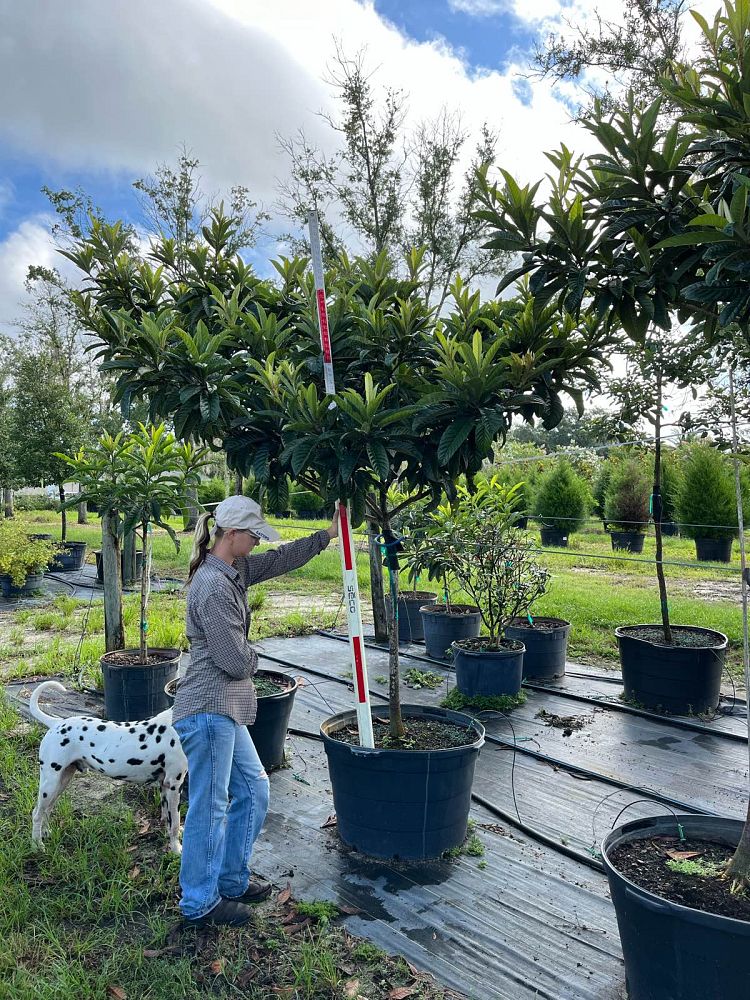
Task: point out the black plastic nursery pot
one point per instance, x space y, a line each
403 804
134 691
551 536
10 590
627 541
670 528
443 628
100 564
410 627
268 732
713 549
681 680
546 643
675 952
488 672
71 557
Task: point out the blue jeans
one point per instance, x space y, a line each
228 801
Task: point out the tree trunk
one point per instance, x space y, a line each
114 630
83 513
145 590
8 501
128 558
237 491
657 510
193 509
739 867
63 518
376 583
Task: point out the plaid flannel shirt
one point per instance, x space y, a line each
222 661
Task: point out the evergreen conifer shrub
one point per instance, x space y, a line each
706 500
626 501
561 500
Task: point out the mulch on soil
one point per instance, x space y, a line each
420 734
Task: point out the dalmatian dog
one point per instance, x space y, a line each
142 752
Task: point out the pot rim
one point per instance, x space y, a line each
687 913
438 609
448 714
622 631
152 651
559 623
294 681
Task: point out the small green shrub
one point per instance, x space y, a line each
626 500
27 501
562 499
705 497
601 483
212 491
670 485
697 866
304 500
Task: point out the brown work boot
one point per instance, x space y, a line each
256 892
228 913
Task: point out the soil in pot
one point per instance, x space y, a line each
420 734
697 882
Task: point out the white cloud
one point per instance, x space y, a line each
29 244
479 8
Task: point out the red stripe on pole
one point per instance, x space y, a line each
325 338
346 538
361 691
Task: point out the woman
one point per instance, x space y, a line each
215 703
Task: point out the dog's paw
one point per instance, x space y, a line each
176 848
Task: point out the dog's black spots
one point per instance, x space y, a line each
134 761
55 766
178 776
156 774
171 743
81 738
85 728
92 745
132 729
159 759
44 795
101 728
173 788
158 739
151 729
162 729
64 743
111 760
169 817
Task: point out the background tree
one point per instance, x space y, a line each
8 470
46 419
387 189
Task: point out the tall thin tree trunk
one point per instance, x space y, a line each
376 583
128 557
193 508
8 501
83 513
657 511
237 491
739 866
114 630
394 677
63 519
145 591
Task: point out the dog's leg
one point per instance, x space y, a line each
170 810
51 786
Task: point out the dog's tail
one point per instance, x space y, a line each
39 715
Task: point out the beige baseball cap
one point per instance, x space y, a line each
244 514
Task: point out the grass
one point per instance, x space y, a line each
483 703
94 916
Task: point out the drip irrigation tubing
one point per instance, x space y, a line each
559 848
575 769
675 722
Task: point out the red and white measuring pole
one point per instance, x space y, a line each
346 541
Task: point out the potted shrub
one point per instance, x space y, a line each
493 562
560 503
706 504
670 484
626 505
23 560
138 479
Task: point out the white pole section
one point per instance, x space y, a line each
346 540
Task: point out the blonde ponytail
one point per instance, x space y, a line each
201 538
